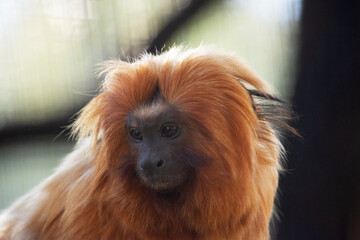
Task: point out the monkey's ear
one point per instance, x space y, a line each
274 111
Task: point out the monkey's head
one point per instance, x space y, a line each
158 138
197 122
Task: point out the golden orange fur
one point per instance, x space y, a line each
96 194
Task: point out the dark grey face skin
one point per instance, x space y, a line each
158 135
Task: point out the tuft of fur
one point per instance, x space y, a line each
96 193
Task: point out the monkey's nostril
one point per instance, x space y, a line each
160 163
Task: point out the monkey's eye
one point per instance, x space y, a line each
170 131
135 135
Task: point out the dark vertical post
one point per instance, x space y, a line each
320 194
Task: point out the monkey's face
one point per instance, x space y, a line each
158 136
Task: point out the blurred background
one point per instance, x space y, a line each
307 49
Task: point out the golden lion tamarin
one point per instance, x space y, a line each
180 145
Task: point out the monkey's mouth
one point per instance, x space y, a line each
167 182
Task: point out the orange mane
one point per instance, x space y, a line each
233 191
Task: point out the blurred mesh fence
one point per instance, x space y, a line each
49 50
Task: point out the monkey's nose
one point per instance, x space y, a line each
160 163
151 167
